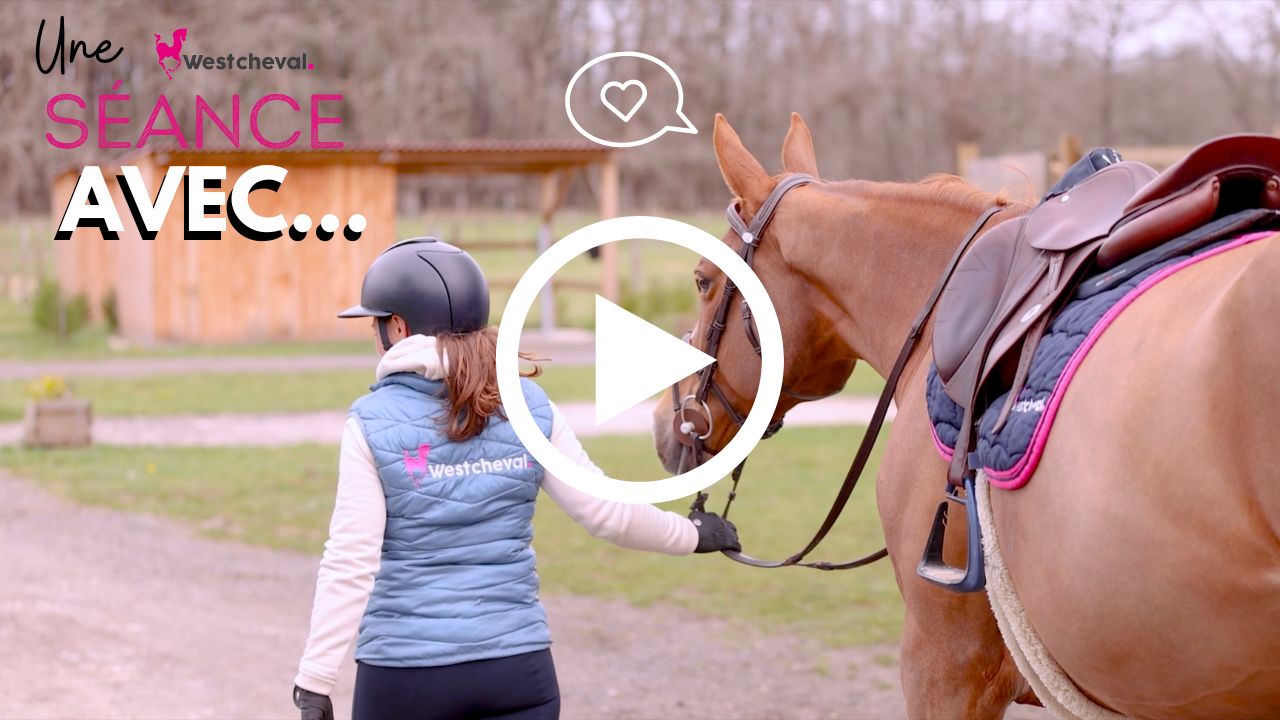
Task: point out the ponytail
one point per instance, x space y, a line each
471 380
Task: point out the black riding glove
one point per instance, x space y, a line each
714 533
314 706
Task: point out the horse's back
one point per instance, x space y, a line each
1145 548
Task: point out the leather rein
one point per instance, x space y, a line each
692 415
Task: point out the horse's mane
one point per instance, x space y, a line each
954 190
939 188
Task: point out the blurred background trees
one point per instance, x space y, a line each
889 88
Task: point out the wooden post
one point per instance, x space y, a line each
609 209
548 187
966 153
1069 151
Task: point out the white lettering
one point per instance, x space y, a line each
101 213
1026 406
483 465
255 226
149 216
200 199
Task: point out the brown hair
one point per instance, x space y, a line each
471 380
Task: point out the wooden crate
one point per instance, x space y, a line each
61 423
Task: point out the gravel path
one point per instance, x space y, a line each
267 429
107 614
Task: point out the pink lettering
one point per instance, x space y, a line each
104 119
203 108
150 129
54 116
253 121
317 120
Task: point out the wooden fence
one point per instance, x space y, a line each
1028 175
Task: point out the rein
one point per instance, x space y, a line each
691 434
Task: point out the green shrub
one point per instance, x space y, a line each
56 314
111 311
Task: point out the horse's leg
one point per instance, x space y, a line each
954 663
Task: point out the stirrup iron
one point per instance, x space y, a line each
932 567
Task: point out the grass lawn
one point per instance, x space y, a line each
251 392
282 497
291 392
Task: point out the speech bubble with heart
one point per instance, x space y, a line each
621 87
614 96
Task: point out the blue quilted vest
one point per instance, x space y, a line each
457 581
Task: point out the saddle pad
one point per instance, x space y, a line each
1009 457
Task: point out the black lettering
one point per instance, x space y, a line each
59 58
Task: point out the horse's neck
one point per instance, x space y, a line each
898 244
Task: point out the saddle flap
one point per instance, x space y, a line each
1254 155
970 299
1089 210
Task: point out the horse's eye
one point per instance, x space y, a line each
702 283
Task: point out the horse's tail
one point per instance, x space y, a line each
157 38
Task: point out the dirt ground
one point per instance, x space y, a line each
105 614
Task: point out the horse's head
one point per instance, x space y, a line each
180 35
816 360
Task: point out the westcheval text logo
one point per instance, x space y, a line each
172 51
417 467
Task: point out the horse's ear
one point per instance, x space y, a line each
797 149
744 175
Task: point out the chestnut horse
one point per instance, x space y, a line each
1145 550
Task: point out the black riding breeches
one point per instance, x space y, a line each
520 687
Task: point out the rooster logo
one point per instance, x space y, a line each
417 466
173 50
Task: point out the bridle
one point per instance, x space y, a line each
750 235
692 415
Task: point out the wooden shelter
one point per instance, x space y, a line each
239 290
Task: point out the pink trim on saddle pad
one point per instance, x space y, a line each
943 450
1018 475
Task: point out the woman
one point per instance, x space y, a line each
428 551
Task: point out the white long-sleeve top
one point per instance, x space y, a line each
353 551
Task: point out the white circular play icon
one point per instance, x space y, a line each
634 359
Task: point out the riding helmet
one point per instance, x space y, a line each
436 287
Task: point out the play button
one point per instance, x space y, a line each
635 360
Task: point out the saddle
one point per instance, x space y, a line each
1011 282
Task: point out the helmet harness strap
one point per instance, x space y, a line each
382 333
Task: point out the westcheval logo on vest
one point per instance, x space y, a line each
417 467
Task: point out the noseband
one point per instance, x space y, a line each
692 415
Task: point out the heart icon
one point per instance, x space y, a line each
622 89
